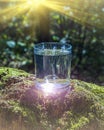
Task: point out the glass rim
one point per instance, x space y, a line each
36 46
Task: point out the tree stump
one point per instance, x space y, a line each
23 107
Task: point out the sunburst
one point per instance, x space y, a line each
89 12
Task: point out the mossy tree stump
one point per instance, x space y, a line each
22 107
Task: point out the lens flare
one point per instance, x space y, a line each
36 2
48 88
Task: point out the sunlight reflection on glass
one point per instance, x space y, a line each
48 87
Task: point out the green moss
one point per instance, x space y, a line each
17 108
95 90
6 73
10 75
80 123
71 121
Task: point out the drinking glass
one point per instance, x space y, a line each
52 66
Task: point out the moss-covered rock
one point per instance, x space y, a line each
24 107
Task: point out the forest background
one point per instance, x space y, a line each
79 23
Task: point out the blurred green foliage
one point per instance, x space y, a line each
17 39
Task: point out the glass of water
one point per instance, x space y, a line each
52 66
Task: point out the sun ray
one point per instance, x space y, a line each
75 12
88 12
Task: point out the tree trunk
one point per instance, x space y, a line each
43 34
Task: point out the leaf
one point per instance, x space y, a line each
11 44
21 44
